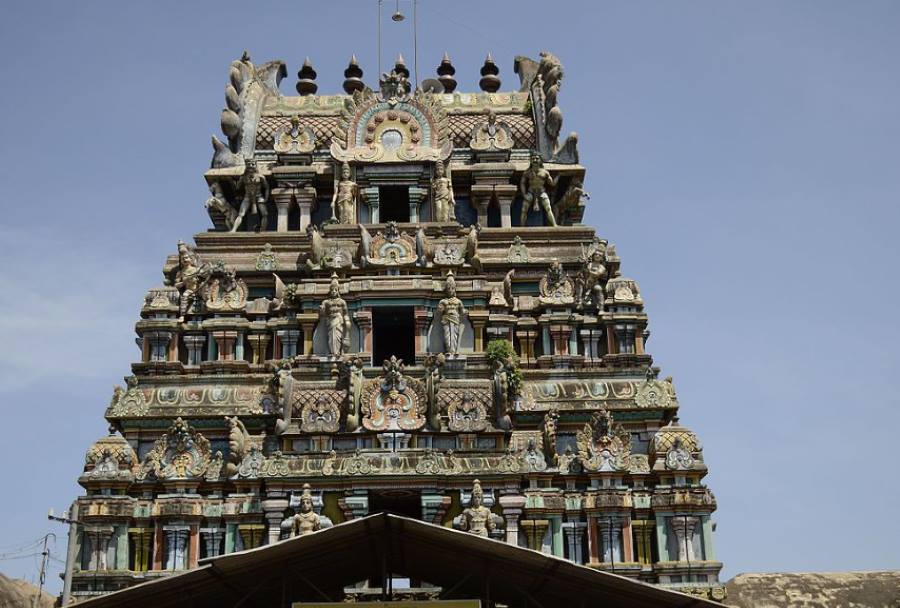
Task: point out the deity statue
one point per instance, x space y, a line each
189 278
217 203
307 520
535 183
343 203
452 310
593 273
442 192
337 319
256 193
477 518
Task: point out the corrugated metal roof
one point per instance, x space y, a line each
318 566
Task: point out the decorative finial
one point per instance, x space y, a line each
445 74
306 79
400 66
353 77
489 82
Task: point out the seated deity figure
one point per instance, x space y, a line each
343 203
442 193
337 319
256 193
452 310
535 183
477 518
307 520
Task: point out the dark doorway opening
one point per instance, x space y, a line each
393 203
394 333
398 502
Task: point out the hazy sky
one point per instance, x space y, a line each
744 157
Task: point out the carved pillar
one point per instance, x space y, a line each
593 541
643 530
252 535
176 547
506 194
684 527
159 543
610 539
481 198
639 341
283 199
354 504
371 197
478 318
225 343
258 345
306 198
364 322
140 542
417 194
99 539
288 339
194 550
535 529
158 345
212 541
274 510
422 318
308 322
560 335
434 506
526 345
627 547
194 344
512 509
574 531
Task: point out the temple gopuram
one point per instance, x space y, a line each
397 328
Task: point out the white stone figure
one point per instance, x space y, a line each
452 310
337 319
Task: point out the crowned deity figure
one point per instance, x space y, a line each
343 203
337 319
256 193
190 276
306 521
477 518
535 183
442 192
452 310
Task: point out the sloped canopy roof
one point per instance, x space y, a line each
317 567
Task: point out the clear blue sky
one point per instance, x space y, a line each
744 157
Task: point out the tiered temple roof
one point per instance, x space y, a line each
397 309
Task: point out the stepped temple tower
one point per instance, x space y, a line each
397 309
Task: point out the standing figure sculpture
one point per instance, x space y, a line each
189 278
256 193
591 280
535 184
216 203
477 518
306 521
343 203
337 319
442 193
452 310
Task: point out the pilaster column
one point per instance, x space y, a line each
481 198
355 504
627 546
506 194
560 335
225 340
283 199
306 198
643 529
684 527
193 555
371 197
574 533
251 535
422 318
593 541
99 538
308 322
535 529
526 345
512 509
141 539
258 345
212 540
159 345
176 547
194 344
417 194
434 506
288 339
478 319
274 511
363 320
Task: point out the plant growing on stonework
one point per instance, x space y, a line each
503 351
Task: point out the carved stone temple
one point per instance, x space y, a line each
397 309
